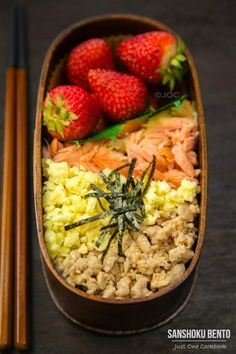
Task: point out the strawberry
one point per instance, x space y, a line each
91 54
121 96
153 56
70 112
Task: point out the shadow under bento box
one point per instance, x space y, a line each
91 311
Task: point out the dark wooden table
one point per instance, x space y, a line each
208 28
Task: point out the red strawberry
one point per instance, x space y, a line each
70 112
91 54
153 56
121 96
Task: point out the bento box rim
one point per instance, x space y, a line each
38 156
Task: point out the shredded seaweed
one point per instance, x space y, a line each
126 206
108 244
88 220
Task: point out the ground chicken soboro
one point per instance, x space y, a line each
154 257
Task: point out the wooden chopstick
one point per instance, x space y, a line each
14 180
7 211
21 336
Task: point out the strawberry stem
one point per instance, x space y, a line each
176 68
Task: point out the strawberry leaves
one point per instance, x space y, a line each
176 68
55 115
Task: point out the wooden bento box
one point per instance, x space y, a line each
91 311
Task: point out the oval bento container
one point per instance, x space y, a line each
91 311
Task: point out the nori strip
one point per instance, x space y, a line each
108 245
126 206
87 220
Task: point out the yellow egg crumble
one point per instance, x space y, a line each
64 203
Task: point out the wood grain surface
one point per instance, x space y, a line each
7 212
208 27
21 231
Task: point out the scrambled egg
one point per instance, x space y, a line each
64 203
161 197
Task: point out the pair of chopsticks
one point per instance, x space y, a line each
13 251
